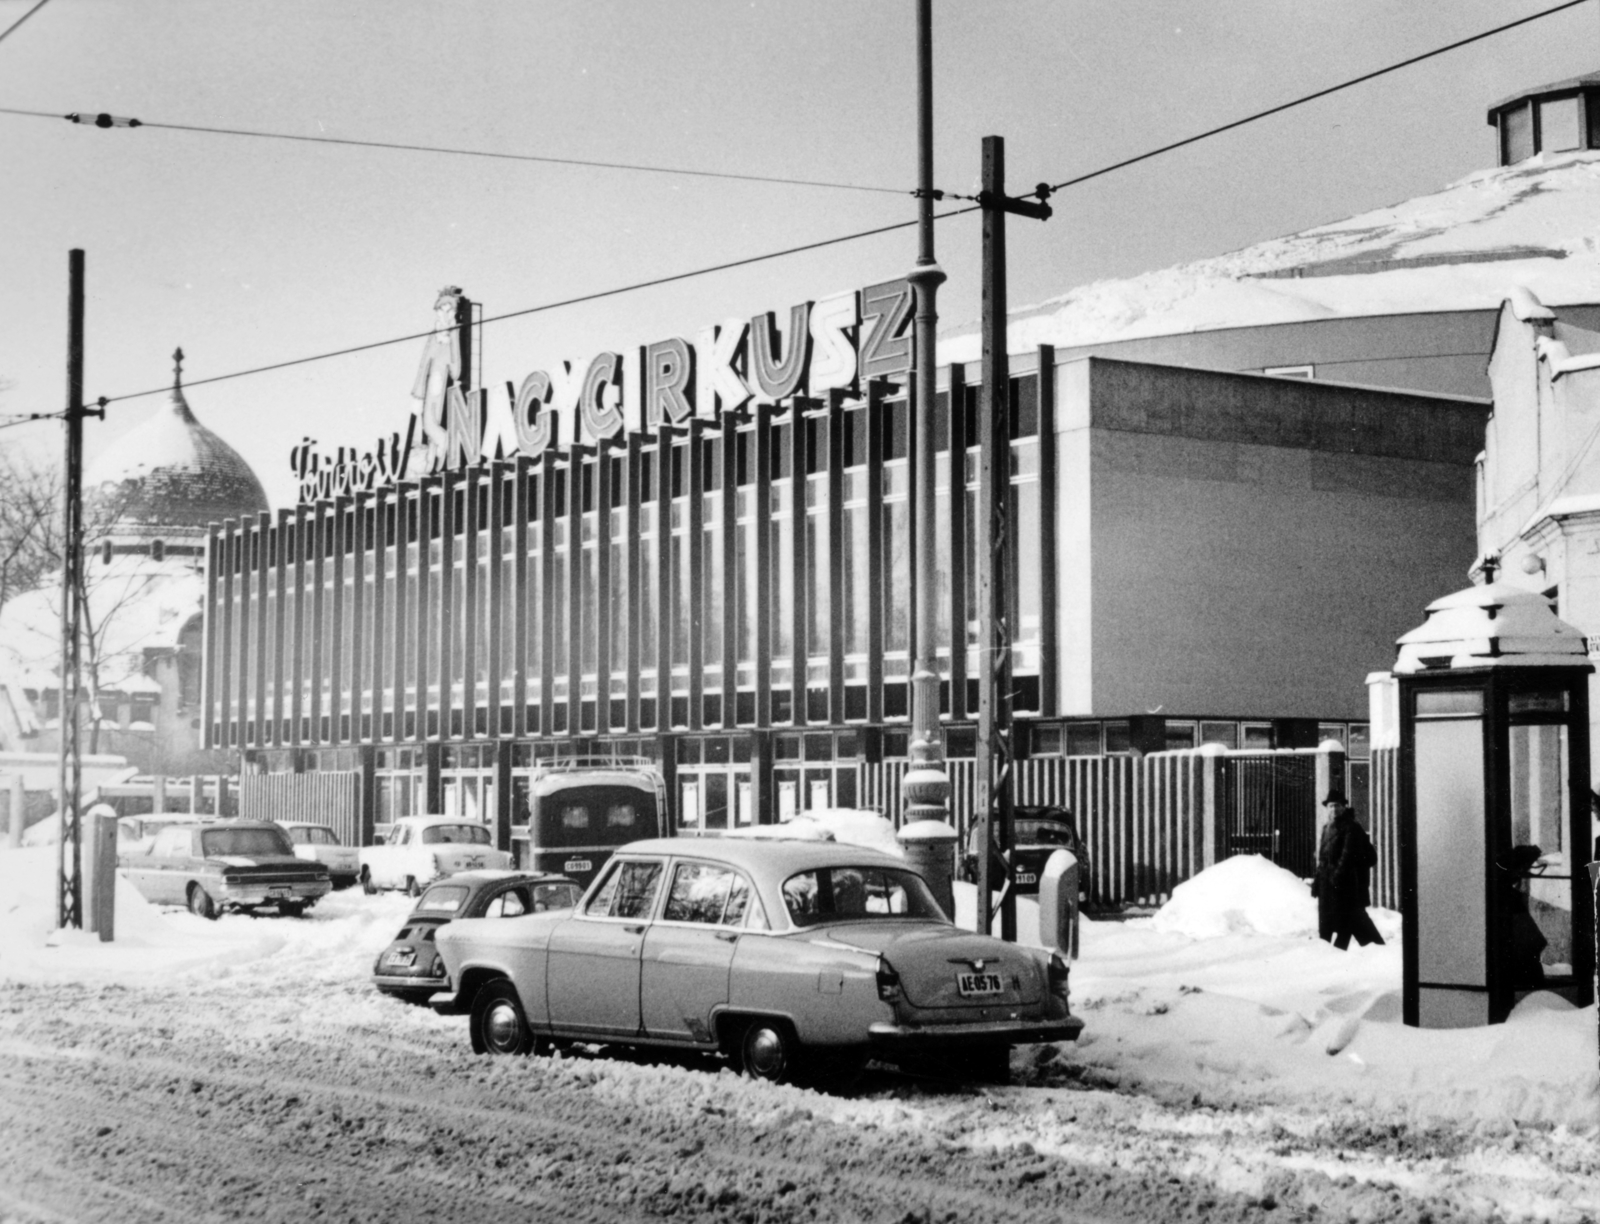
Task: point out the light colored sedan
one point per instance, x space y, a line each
792 959
317 843
422 849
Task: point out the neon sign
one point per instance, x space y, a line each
836 343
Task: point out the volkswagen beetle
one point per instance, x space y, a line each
410 968
790 959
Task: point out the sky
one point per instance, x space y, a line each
250 251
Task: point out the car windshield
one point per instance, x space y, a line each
835 894
218 843
443 898
472 835
1045 833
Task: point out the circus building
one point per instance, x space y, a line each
149 501
1233 484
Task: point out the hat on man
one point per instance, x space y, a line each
1336 796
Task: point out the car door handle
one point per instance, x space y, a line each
729 936
635 930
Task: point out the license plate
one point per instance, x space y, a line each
576 865
401 957
473 862
278 890
970 984
1027 877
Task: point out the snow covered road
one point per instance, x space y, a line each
245 1070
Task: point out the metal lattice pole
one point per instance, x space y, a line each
69 862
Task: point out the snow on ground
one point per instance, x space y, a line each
1221 1013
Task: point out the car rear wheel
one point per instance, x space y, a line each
200 903
769 1051
498 1023
367 886
413 889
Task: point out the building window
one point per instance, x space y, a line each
1224 733
1083 739
1516 134
1558 125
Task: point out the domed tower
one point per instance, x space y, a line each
168 480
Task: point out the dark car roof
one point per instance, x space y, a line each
488 877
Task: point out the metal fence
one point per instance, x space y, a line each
332 798
1267 804
1152 822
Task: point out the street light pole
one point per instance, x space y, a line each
925 788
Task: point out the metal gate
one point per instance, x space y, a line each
1268 806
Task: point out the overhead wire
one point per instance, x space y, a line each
6 33
1041 192
598 295
1310 97
402 146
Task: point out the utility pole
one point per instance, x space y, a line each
925 787
69 863
996 547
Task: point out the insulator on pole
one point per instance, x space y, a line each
102 120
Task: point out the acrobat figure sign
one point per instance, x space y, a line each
835 343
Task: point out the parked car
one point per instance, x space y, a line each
1038 832
320 844
410 967
422 849
136 834
788 958
216 865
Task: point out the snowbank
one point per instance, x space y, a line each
1225 998
1248 894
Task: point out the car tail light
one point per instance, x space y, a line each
888 982
1058 974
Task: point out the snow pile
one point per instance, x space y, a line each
1241 895
1232 1006
1462 248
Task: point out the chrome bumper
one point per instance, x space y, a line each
914 1037
261 894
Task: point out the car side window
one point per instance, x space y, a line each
699 893
400 836
509 904
629 892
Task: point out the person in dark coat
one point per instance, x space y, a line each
1345 855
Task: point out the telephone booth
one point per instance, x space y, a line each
1494 808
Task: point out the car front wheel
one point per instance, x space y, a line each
200 903
770 1051
498 1023
367 886
413 889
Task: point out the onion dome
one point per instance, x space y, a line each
1494 625
171 477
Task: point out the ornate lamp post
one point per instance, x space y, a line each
926 788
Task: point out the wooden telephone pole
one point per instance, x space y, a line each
996 547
